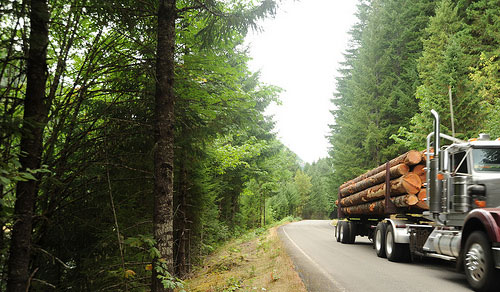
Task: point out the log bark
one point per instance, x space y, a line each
394 172
408 184
411 157
377 207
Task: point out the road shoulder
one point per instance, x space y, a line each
312 274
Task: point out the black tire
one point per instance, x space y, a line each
337 237
344 232
395 252
379 239
352 232
478 263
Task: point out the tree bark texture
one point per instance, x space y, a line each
411 157
34 120
394 172
377 207
407 184
164 136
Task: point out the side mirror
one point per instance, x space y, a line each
446 160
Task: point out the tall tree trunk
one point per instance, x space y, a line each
164 136
181 220
260 209
34 120
235 195
264 211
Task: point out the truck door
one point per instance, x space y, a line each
458 200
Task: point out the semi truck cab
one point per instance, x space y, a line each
463 181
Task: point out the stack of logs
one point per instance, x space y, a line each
365 195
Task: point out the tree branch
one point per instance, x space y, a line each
182 10
209 9
53 257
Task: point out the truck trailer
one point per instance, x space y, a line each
458 221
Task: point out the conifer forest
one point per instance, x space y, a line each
134 139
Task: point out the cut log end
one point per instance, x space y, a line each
412 183
413 157
422 195
419 169
402 169
422 205
411 200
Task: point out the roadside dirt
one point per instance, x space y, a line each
257 264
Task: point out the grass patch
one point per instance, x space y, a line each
253 262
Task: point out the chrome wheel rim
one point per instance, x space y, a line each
388 243
475 262
378 240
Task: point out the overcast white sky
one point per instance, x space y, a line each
299 51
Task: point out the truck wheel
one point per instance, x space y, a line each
352 232
395 252
336 230
478 263
379 239
344 232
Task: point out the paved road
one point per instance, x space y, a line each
327 265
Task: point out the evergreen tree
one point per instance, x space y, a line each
483 24
376 94
303 186
323 195
444 64
459 54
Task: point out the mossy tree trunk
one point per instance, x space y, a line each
34 120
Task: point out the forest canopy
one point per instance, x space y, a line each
134 142
404 59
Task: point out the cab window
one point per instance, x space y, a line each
455 160
486 159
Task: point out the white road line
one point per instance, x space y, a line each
335 283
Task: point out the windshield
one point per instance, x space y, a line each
486 159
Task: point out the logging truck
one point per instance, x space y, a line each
442 202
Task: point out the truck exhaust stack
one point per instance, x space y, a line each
433 183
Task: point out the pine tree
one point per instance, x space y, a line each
376 94
483 23
455 40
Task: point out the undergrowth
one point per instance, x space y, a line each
255 261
